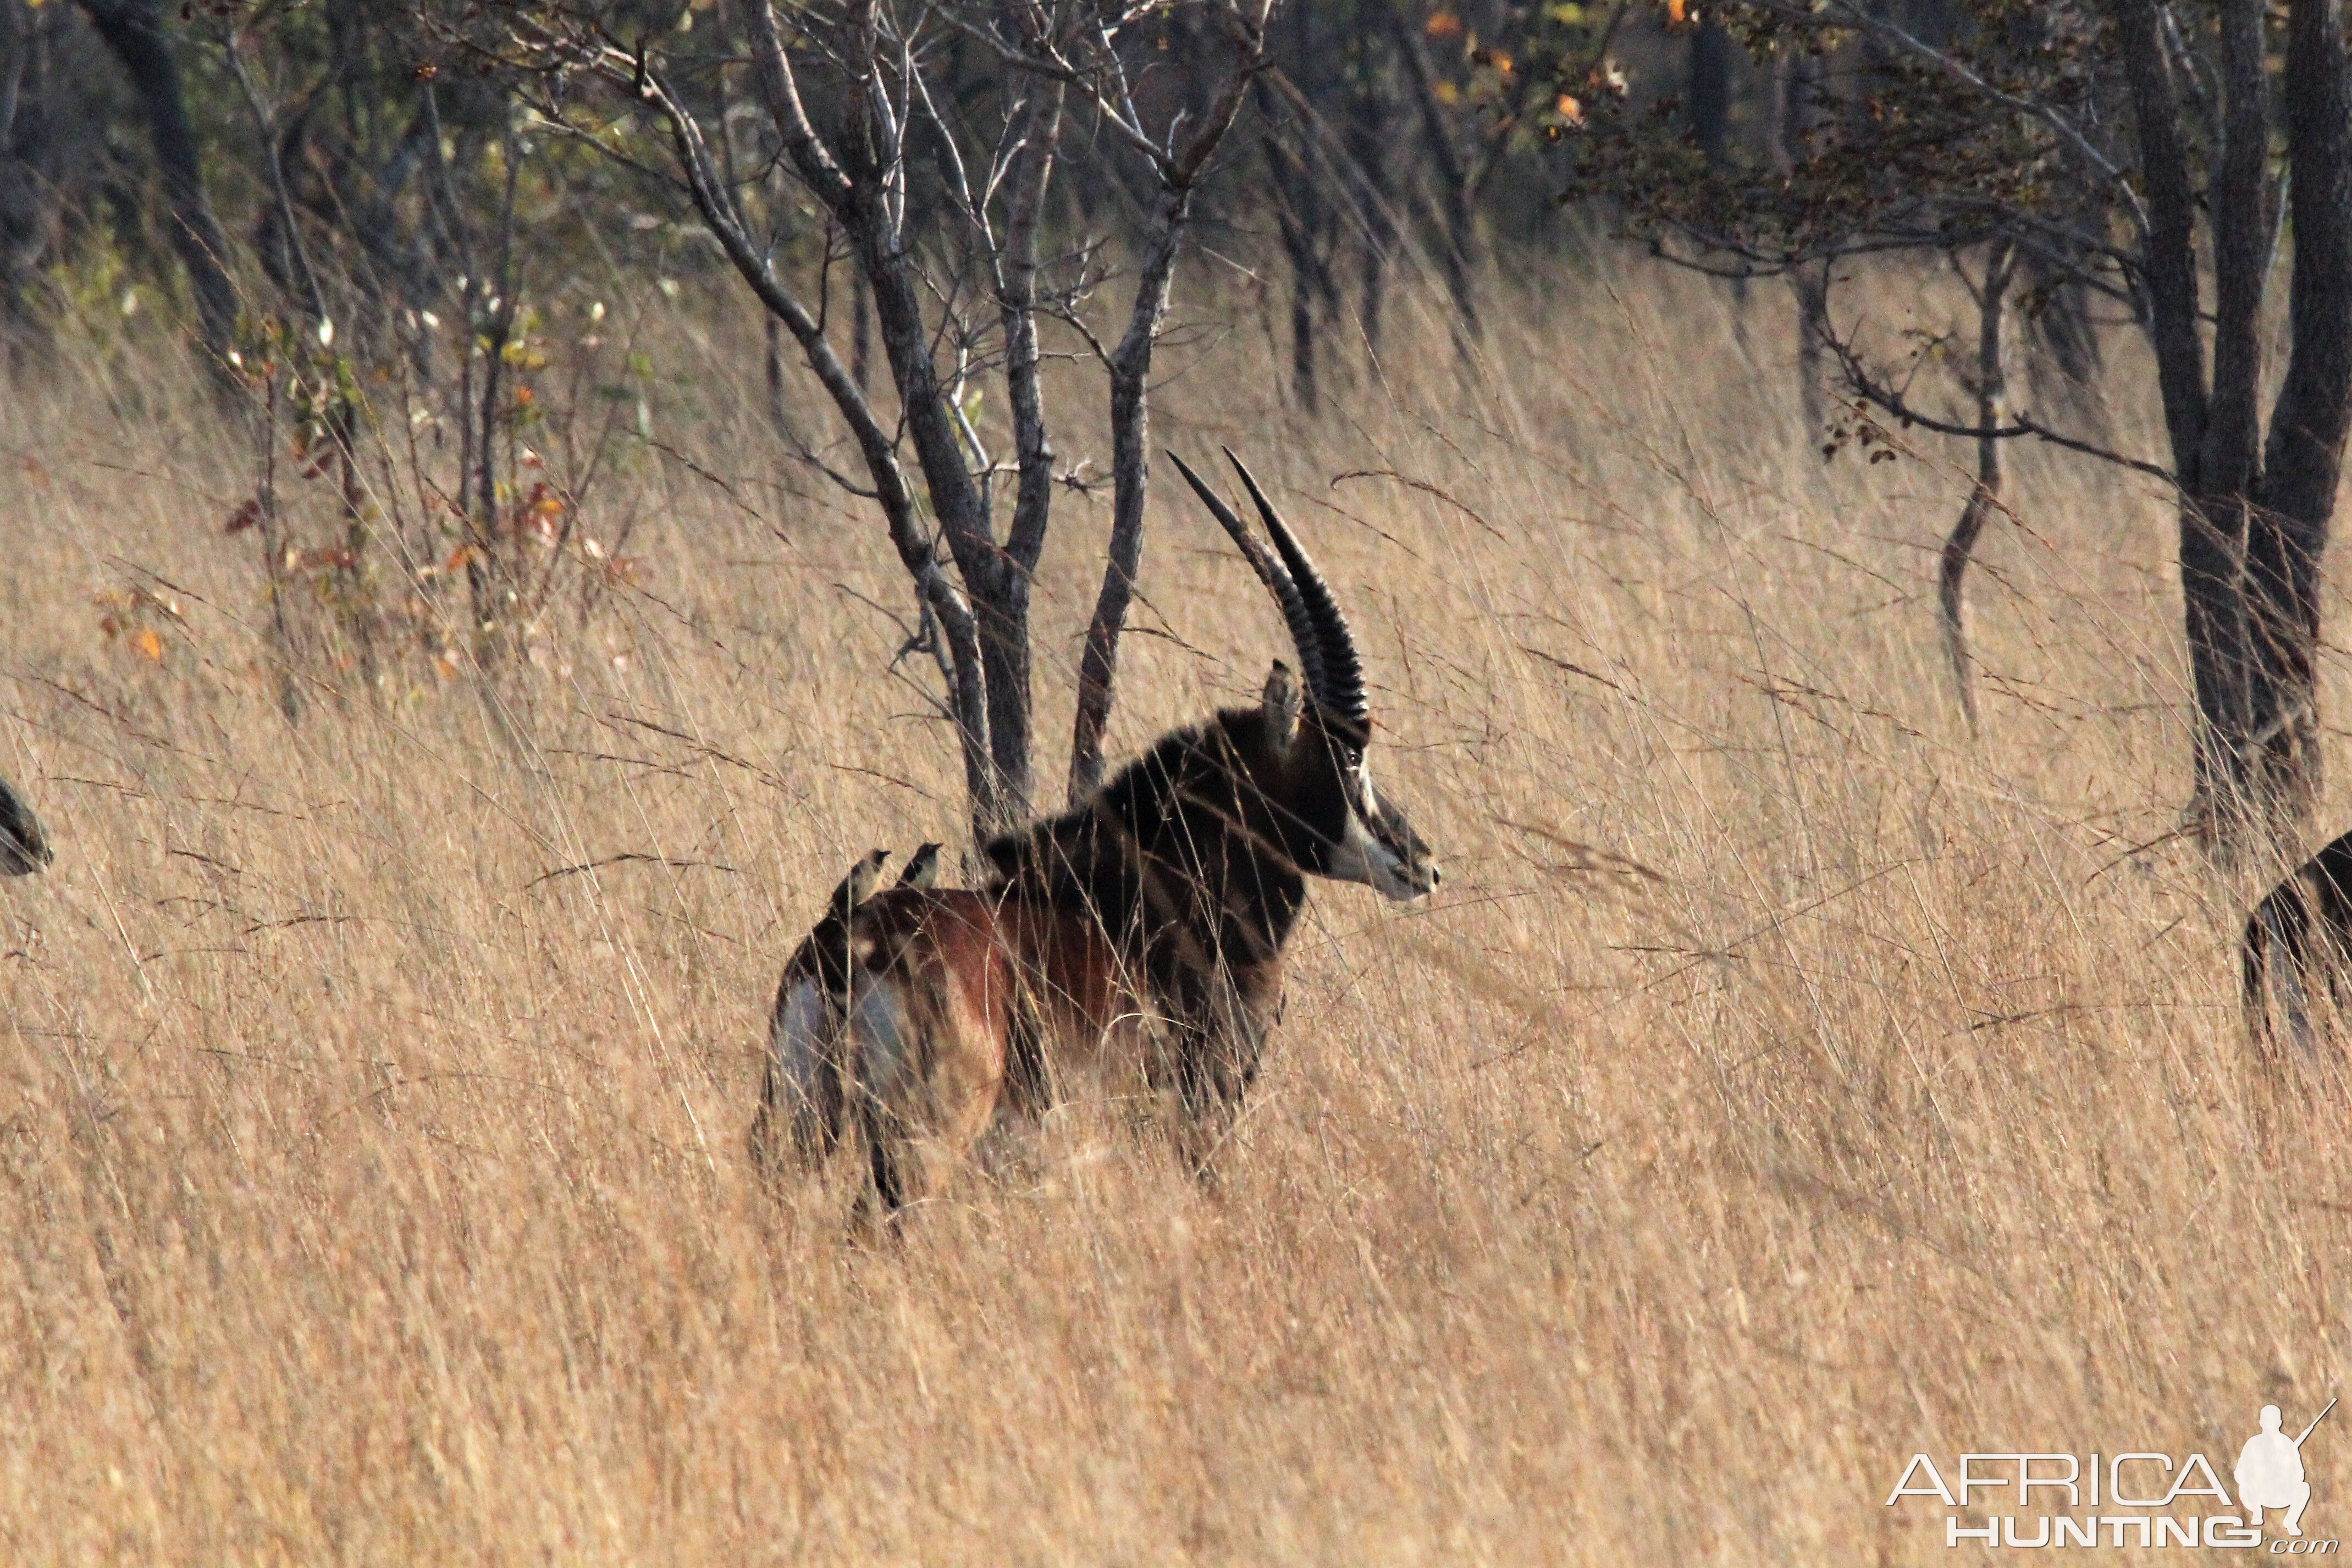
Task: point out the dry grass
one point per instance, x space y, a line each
372 1199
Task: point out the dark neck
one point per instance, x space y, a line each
1181 851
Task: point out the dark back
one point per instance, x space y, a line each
1191 859
2304 922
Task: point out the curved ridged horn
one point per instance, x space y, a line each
1341 691
1305 634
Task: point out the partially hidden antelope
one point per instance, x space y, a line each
1135 940
24 847
2298 942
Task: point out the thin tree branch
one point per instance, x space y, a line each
1872 389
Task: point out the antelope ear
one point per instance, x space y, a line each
1281 705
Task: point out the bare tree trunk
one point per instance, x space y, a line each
998 595
2211 543
1708 100
2254 520
968 689
2302 458
1032 444
132 29
1991 390
1130 417
1453 178
487 571
861 331
28 203
860 176
1811 285
1780 138
2169 256
1793 119
1367 146
1299 210
1295 218
1130 425
775 378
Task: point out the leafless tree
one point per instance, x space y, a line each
133 29
2129 154
854 106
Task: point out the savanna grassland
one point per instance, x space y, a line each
1783 1081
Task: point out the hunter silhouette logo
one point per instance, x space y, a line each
2143 1498
2269 1471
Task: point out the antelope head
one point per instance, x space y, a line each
1310 768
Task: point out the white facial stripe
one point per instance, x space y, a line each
1367 804
1360 856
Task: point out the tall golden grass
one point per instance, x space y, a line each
374 1185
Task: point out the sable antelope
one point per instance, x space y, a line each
1136 938
24 847
2299 940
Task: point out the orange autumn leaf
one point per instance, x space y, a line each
1442 25
145 640
1675 13
1570 109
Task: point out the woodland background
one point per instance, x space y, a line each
457 629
